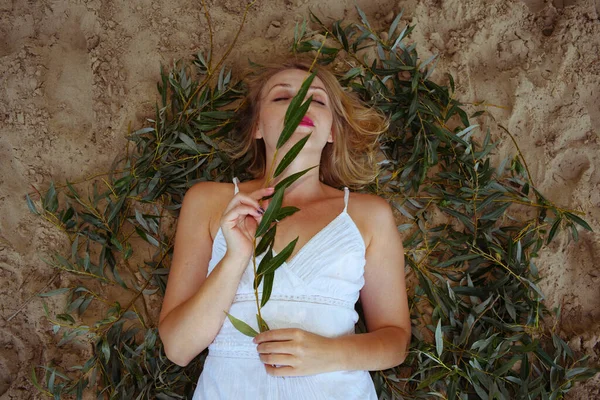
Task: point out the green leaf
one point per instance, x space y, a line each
34 380
286 212
506 366
241 326
50 202
270 213
439 338
290 156
453 260
570 374
31 205
105 348
554 229
287 182
278 260
262 324
266 240
265 260
578 221
296 111
394 25
496 213
267 288
363 17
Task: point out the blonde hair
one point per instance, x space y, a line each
349 160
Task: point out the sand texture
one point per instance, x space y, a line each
74 74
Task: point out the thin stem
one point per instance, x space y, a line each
520 154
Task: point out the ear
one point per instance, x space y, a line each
330 138
257 132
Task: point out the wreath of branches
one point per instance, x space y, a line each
477 312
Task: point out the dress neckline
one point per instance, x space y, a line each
313 239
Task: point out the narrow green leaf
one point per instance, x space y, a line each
241 326
453 260
31 205
578 220
488 200
432 379
267 288
363 17
506 366
50 202
34 379
116 208
296 110
286 212
578 371
496 213
266 240
140 219
439 338
290 156
51 381
295 119
394 25
554 229
287 182
262 324
278 260
265 260
105 348
269 215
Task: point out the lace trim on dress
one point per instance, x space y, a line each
216 352
307 298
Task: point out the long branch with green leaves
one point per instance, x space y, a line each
472 230
266 230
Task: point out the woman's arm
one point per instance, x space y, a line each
385 305
383 298
194 304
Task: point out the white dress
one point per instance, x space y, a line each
316 291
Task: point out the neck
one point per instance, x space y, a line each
306 188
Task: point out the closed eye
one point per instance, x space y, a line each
281 98
319 102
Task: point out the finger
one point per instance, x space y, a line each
281 371
284 347
234 217
242 198
278 335
264 192
278 359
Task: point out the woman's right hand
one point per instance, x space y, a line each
240 221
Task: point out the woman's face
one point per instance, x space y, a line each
275 99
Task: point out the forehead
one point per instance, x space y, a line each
292 78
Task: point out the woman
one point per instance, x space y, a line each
348 247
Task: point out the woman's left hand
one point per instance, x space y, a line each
295 352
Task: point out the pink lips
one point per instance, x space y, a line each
307 122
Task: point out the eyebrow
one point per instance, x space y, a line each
287 85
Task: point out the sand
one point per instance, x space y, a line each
74 74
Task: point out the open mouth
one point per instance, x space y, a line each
307 122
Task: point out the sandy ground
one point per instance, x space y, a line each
74 74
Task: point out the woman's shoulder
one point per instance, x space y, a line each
210 196
369 205
371 213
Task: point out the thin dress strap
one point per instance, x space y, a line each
235 183
346 196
